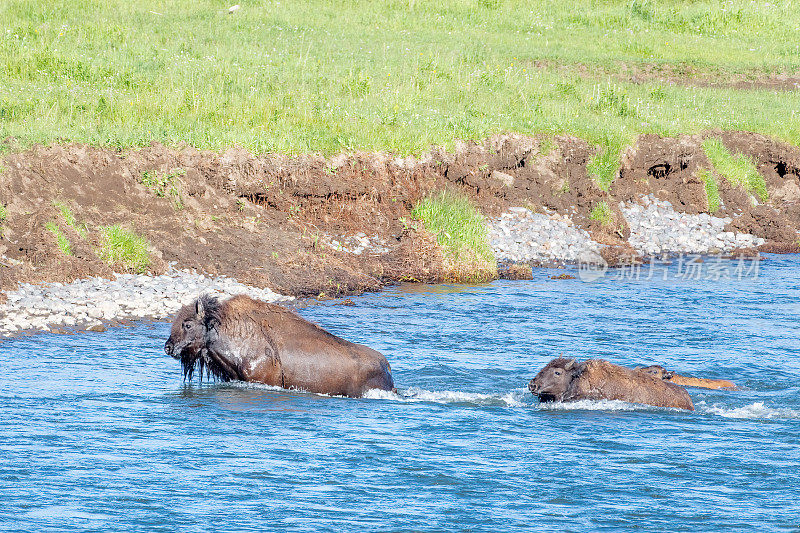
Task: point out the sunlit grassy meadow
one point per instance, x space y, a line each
400 76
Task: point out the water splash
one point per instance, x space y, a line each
596 405
513 398
754 411
521 398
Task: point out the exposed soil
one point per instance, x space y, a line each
688 76
668 168
264 220
680 74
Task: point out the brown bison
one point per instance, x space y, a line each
659 372
242 339
566 380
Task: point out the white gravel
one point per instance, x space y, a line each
521 235
656 229
91 302
358 244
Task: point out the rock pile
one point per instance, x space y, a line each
656 229
89 303
520 235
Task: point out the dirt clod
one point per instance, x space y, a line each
515 271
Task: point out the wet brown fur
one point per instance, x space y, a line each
248 340
686 381
596 379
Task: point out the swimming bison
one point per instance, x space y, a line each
566 380
248 340
659 372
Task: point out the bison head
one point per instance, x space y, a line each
551 383
188 337
657 371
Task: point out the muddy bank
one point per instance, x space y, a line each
310 226
682 74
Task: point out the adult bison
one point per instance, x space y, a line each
659 372
566 380
242 339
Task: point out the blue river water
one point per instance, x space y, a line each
100 433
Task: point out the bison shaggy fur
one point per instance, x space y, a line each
244 339
660 372
566 380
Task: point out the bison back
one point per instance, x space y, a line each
335 367
702 383
601 380
314 360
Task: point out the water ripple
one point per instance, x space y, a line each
100 433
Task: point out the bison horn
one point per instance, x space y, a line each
199 309
570 364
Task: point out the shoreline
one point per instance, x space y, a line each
315 227
96 304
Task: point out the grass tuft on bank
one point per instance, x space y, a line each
738 169
61 240
602 213
712 190
461 231
166 184
604 165
69 218
121 246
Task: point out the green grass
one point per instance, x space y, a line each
738 169
3 216
460 230
121 246
390 75
546 147
69 218
164 185
603 166
602 213
61 239
712 190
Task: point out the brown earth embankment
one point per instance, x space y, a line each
275 220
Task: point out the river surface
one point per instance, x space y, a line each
99 432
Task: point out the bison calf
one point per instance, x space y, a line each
566 380
248 340
659 372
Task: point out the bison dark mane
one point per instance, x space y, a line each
212 308
204 363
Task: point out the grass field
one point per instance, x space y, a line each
401 76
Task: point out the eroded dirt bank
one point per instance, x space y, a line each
293 223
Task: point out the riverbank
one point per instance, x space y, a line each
311 226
